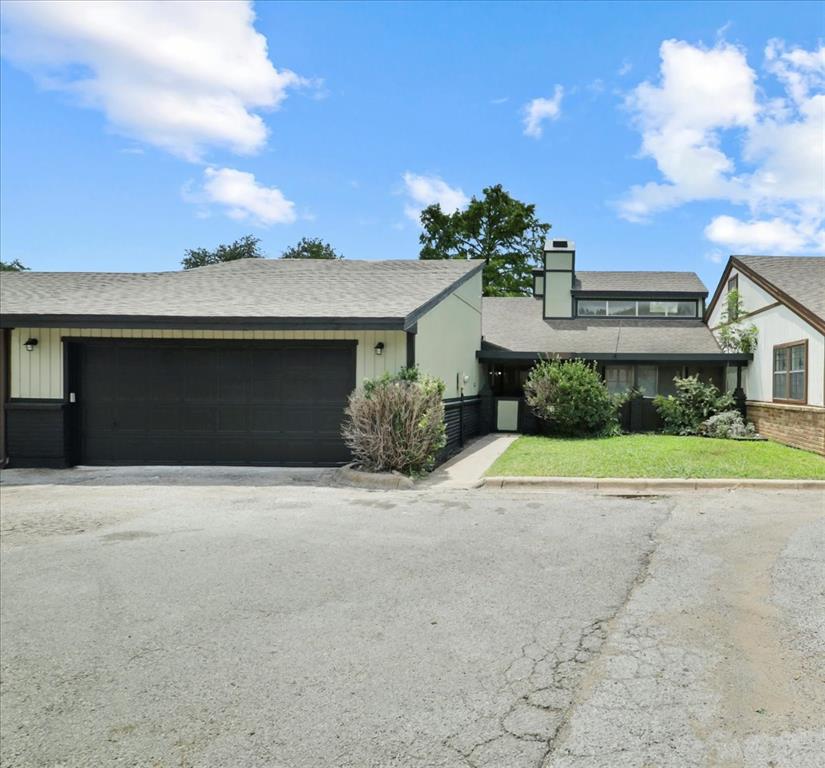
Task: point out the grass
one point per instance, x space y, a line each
656 456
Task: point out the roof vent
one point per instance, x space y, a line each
560 243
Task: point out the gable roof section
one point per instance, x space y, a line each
796 281
516 325
662 283
252 293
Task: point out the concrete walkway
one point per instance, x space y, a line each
466 469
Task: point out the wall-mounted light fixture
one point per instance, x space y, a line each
379 348
30 344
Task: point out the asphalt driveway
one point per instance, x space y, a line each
223 620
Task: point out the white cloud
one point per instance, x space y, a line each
242 197
625 68
539 110
424 191
182 76
715 136
758 236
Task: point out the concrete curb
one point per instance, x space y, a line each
388 481
635 485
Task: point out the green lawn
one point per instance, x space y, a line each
656 456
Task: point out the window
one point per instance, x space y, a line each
646 380
733 285
592 308
621 307
682 309
790 363
619 378
635 308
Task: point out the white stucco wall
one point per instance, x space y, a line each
449 336
39 373
777 325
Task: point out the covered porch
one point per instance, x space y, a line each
505 373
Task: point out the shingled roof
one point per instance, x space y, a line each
252 292
800 277
639 282
516 325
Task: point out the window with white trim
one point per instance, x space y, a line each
790 364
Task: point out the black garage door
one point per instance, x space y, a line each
176 402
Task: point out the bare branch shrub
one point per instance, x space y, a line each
396 422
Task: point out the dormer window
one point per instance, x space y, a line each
636 308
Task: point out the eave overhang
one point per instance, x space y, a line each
798 309
652 295
207 323
508 355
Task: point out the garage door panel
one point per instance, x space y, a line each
222 403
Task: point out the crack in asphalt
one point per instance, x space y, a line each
544 679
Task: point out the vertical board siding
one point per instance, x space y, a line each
39 374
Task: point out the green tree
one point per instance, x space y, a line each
248 247
311 248
497 228
13 266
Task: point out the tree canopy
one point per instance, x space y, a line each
503 231
13 266
311 248
248 247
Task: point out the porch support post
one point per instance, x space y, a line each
739 393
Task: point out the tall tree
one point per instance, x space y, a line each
311 248
13 266
248 247
497 228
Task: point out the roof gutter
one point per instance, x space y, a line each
204 323
507 355
590 294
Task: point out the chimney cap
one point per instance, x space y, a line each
559 244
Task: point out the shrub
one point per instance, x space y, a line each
726 424
396 422
693 403
571 398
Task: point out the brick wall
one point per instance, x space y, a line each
802 426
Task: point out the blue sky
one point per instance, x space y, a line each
132 133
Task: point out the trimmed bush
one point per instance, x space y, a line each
693 403
571 398
727 424
396 422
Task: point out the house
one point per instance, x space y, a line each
641 328
784 298
251 362
246 362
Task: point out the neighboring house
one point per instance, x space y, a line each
784 297
641 328
247 362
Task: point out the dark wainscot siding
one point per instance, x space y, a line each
36 433
463 422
